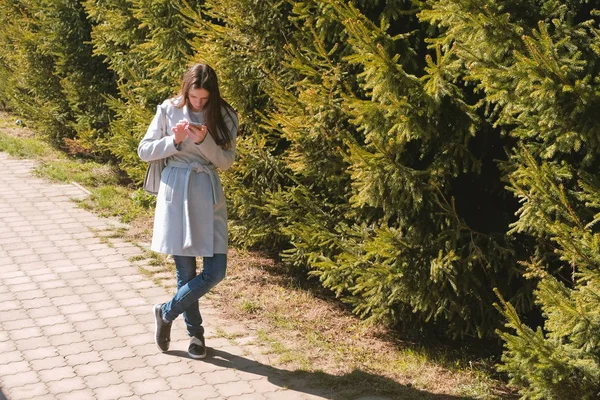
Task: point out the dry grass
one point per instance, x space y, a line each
302 318
10 127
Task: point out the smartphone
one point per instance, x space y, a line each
196 124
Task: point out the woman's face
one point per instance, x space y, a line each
198 98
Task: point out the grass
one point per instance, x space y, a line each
301 325
309 331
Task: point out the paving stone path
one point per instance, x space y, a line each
76 314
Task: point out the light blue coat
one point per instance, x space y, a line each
191 215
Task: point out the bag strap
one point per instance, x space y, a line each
164 121
163 131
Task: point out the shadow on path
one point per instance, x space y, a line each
349 386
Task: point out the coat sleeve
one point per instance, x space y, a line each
222 159
155 144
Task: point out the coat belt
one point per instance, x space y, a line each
197 168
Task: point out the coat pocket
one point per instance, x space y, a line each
170 183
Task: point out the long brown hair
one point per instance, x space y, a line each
202 76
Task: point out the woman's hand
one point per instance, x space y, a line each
196 133
180 131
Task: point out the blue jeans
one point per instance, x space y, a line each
190 287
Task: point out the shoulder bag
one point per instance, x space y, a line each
155 168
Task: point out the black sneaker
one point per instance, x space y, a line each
197 348
162 331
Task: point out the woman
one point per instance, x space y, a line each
191 217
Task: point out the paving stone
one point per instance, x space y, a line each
233 389
224 376
264 386
127 364
74 348
16 325
48 363
103 379
110 343
40 353
112 313
26 333
74 308
52 320
85 394
60 292
145 338
84 358
58 329
116 322
38 308
66 338
160 359
95 297
32 343
66 300
19 280
90 289
205 367
146 350
185 381
36 271
7 296
83 316
131 330
30 391
146 319
117 354
56 374
20 379
204 393
66 385
178 369
93 368
101 333
78 281
14 368
169 395
150 386
139 374
11 357
27 293
289 395
251 396
52 284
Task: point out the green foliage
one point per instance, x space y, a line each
22 147
351 159
244 41
542 86
146 45
52 78
116 201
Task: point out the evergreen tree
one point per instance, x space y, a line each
52 78
411 252
146 44
244 41
355 158
537 66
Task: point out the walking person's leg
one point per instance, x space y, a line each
185 269
213 272
185 300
